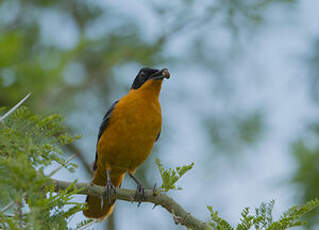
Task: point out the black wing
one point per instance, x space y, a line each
103 126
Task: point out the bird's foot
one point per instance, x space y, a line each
107 194
140 191
140 194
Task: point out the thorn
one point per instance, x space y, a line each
154 190
140 192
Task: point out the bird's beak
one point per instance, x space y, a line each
160 74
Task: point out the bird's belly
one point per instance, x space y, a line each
128 142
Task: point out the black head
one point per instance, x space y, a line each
147 74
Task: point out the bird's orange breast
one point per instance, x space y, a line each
134 125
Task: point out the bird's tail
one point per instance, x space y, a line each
94 203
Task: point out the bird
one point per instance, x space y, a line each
126 137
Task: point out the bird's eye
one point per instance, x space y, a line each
142 75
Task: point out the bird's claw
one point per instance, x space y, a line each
154 190
102 200
140 194
108 193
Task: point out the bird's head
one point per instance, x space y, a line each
146 74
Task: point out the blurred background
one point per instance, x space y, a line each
242 102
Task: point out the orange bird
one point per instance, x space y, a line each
126 138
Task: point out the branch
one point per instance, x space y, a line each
180 215
14 108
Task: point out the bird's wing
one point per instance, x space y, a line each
103 127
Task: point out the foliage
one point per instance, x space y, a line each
171 176
218 222
28 144
85 224
263 219
306 153
305 149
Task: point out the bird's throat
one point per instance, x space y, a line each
151 88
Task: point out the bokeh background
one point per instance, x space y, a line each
242 102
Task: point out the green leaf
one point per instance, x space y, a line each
262 219
171 176
28 144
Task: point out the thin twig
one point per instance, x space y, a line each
5 208
15 107
88 224
62 165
